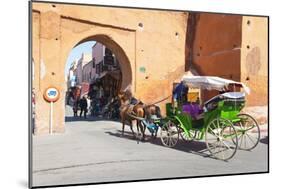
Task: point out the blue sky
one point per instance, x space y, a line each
77 51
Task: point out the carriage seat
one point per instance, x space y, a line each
193 110
228 96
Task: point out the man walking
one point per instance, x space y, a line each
83 106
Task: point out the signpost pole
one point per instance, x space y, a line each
51 117
51 95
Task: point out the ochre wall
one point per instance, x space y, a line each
233 47
216 46
158 46
151 46
254 59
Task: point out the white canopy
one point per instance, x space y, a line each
211 82
233 95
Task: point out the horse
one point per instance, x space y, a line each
126 109
139 109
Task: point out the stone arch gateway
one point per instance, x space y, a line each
55 41
152 56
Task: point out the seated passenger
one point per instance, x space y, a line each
198 112
194 110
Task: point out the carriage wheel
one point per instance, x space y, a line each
248 132
186 137
169 134
221 139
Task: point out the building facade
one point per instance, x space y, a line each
105 60
80 74
152 55
89 72
71 76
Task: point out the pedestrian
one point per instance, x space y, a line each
75 108
97 107
83 106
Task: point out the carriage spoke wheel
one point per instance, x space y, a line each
248 132
169 134
221 139
188 137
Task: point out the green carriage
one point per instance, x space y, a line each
218 120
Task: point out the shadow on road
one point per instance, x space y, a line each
127 135
264 140
88 118
194 147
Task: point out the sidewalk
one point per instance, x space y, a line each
260 113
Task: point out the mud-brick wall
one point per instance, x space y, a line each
216 47
233 47
254 59
149 45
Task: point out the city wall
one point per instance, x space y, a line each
149 45
154 49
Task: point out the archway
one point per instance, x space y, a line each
111 80
125 65
51 49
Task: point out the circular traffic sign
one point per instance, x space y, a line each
51 94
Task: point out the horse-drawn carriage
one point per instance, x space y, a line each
219 120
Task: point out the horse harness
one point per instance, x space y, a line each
130 106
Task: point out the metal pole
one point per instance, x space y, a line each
51 118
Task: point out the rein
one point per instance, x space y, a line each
157 102
146 105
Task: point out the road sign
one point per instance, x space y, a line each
51 94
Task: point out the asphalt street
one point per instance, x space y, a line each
93 151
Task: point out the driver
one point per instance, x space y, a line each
180 94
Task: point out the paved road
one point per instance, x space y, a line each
94 151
